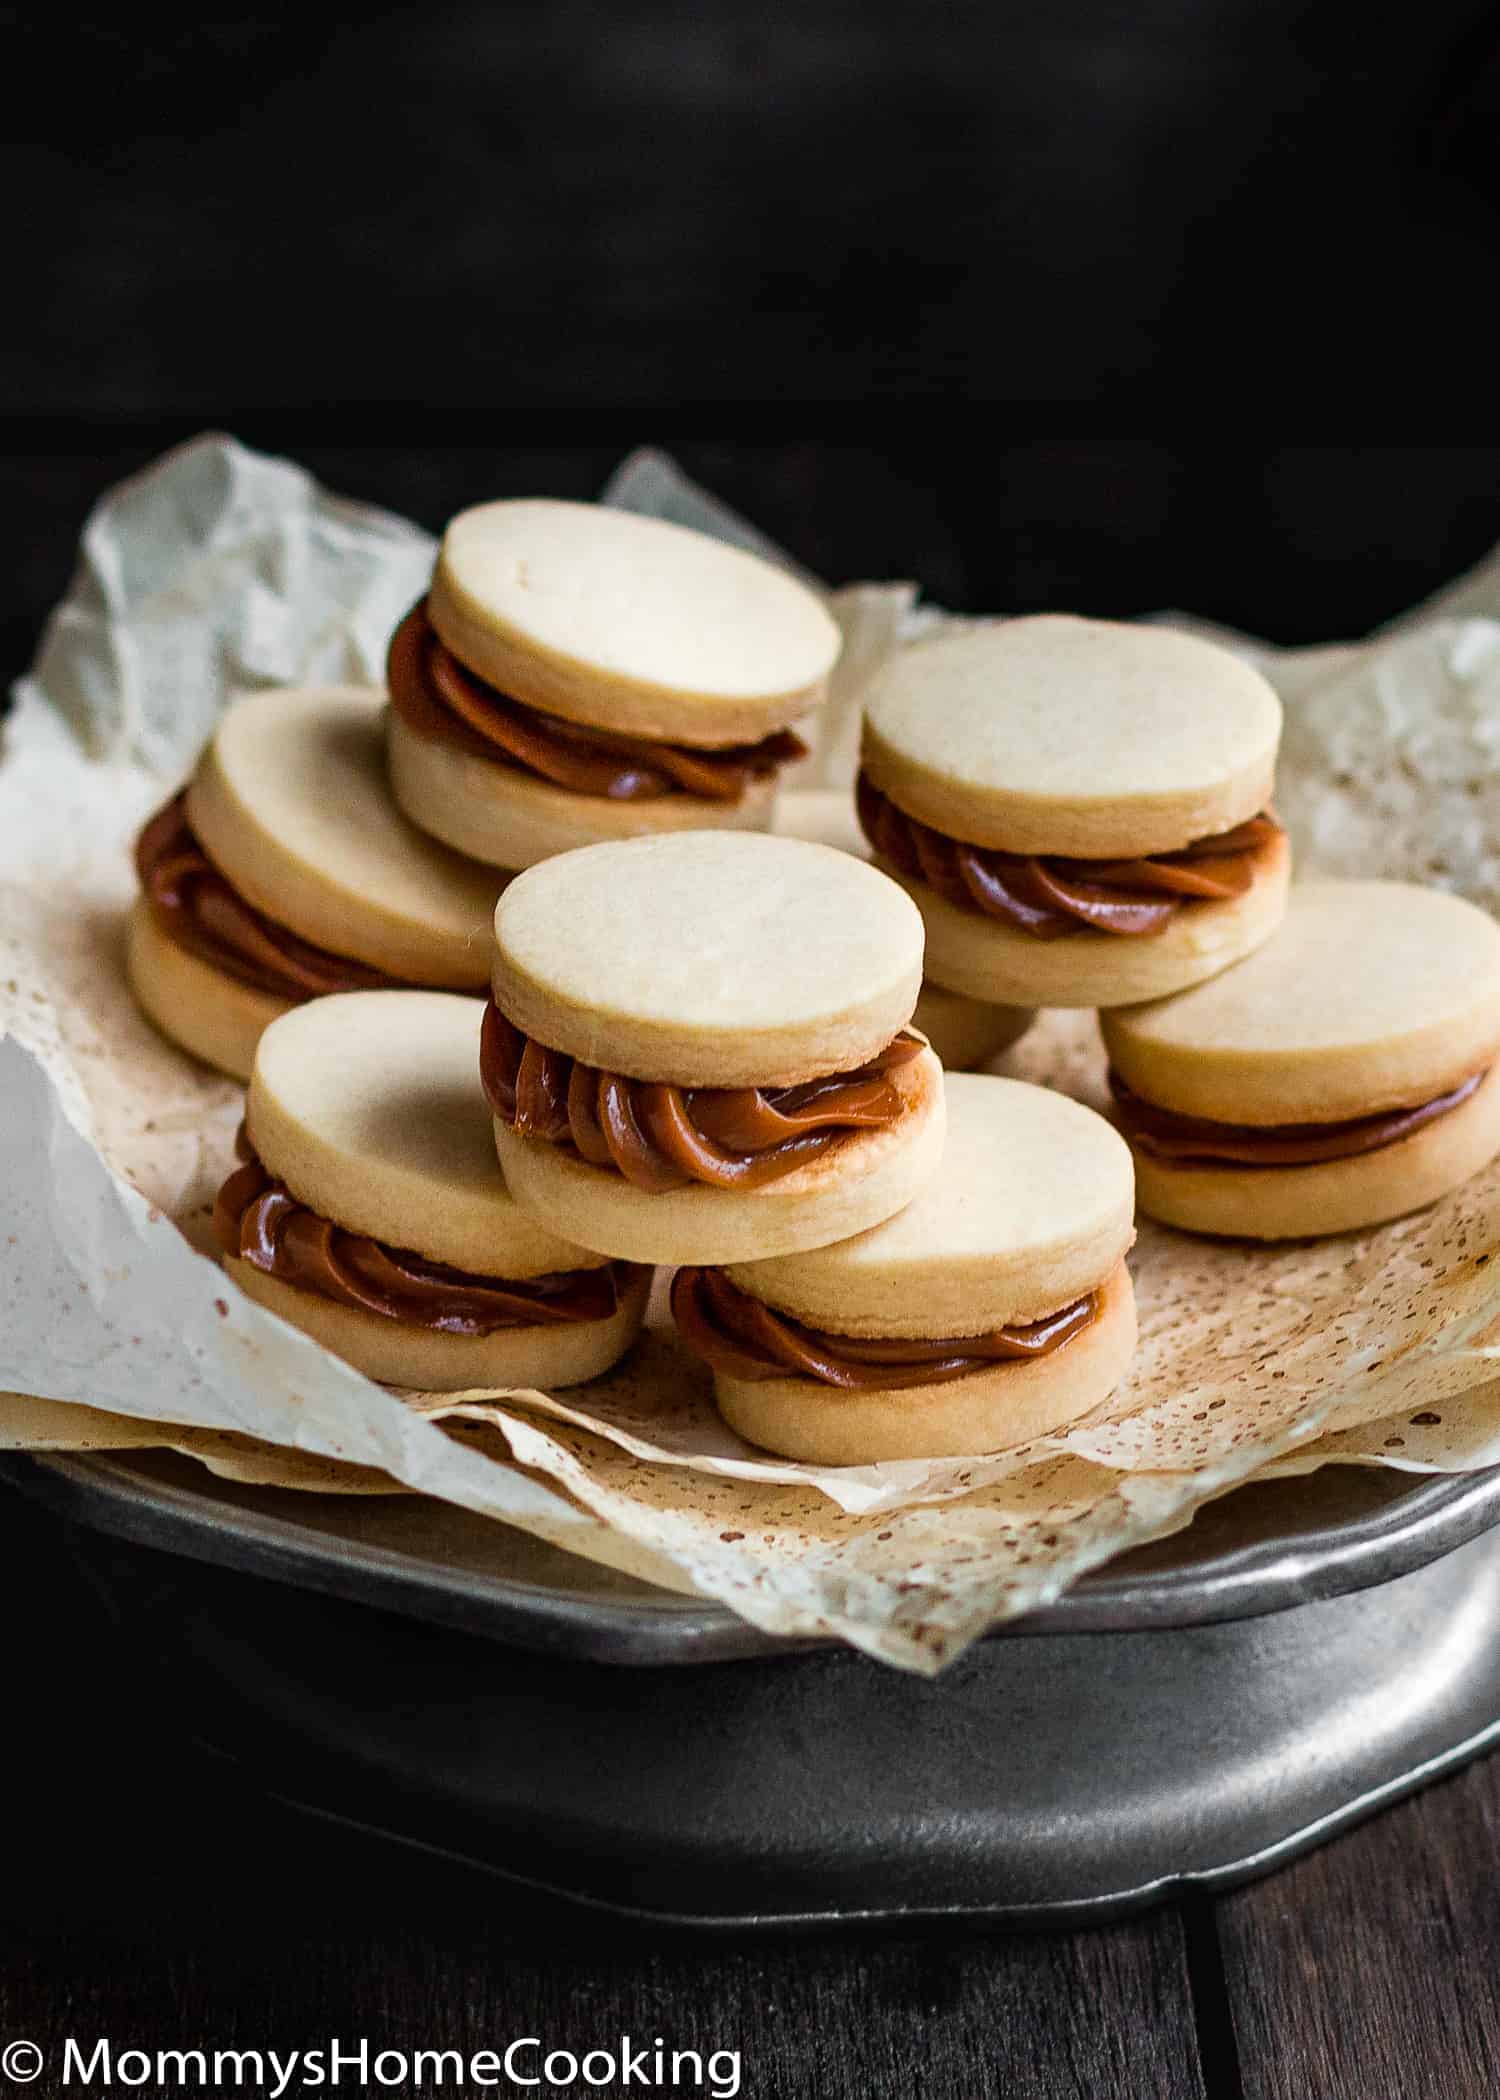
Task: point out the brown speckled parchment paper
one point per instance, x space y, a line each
1374 1348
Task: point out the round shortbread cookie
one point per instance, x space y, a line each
399 1354
630 623
1086 738
500 815
368 1106
989 1410
1335 1195
967 1033
1370 995
289 801
985 959
709 958
1031 1207
867 1176
198 1007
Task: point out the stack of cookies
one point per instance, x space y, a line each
576 675
367 1209
1082 811
702 1048
697 1054
283 871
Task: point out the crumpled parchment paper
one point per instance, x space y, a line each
218 569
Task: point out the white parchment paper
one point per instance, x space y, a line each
219 569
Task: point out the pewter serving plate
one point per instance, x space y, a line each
1194 1713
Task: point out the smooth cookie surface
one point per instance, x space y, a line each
606 617
368 1105
290 803
709 958
1085 738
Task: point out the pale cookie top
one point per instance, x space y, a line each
1085 738
290 803
630 622
368 1106
1370 995
712 958
1031 1207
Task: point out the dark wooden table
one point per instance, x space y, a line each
167 1906
151 1897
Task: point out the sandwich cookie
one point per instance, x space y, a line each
995 1307
577 675
1080 808
369 1211
697 1047
1347 1072
964 1032
283 871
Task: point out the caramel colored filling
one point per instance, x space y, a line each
661 1136
439 698
744 1338
257 1218
202 911
1048 896
1195 1141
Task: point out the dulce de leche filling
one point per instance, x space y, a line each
1047 895
744 1338
202 911
661 1136
441 699
1195 1141
259 1220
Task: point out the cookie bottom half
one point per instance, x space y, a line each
860 1181
987 1410
199 1008
398 1354
984 959
509 819
1336 1195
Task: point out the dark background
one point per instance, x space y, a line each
1106 304
1109 304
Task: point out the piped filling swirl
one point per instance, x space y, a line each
1162 1134
745 1338
441 699
258 1220
660 1136
202 911
1047 895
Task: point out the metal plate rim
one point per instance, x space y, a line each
1065 1914
1439 1514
